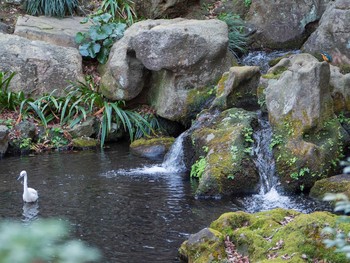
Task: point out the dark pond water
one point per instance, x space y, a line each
130 217
131 213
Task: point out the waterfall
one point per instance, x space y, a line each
268 197
174 159
264 159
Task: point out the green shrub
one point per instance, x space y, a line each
8 99
42 241
237 38
57 8
120 10
198 168
97 42
81 101
341 240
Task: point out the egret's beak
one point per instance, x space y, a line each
19 177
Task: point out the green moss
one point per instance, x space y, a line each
344 68
197 99
336 184
84 142
229 167
221 84
203 246
166 141
297 233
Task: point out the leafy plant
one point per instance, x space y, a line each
8 99
303 171
198 168
276 140
121 10
82 100
247 3
341 239
237 38
97 42
58 8
42 241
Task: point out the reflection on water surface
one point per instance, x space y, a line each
130 213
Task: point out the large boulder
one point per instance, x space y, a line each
270 236
308 138
174 59
333 33
40 67
50 29
222 149
283 24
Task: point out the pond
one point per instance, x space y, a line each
131 218
131 213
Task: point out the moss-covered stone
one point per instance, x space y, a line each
237 88
334 184
84 143
277 235
226 147
151 147
197 100
302 160
204 246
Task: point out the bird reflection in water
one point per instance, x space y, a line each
30 212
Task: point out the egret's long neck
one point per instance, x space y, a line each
25 183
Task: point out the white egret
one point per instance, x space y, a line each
29 194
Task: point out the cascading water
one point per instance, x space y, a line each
268 197
262 58
264 159
174 159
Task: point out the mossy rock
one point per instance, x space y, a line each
84 143
335 184
204 246
301 161
151 147
277 235
224 144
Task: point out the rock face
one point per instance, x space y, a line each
161 9
238 88
340 84
4 140
51 30
40 67
169 58
283 24
271 236
4 28
333 32
307 136
222 146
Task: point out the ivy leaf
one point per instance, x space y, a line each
79 37
102 56
100 32
89 49
108 43
118 31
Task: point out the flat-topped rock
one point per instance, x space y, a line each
56 31
40 67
